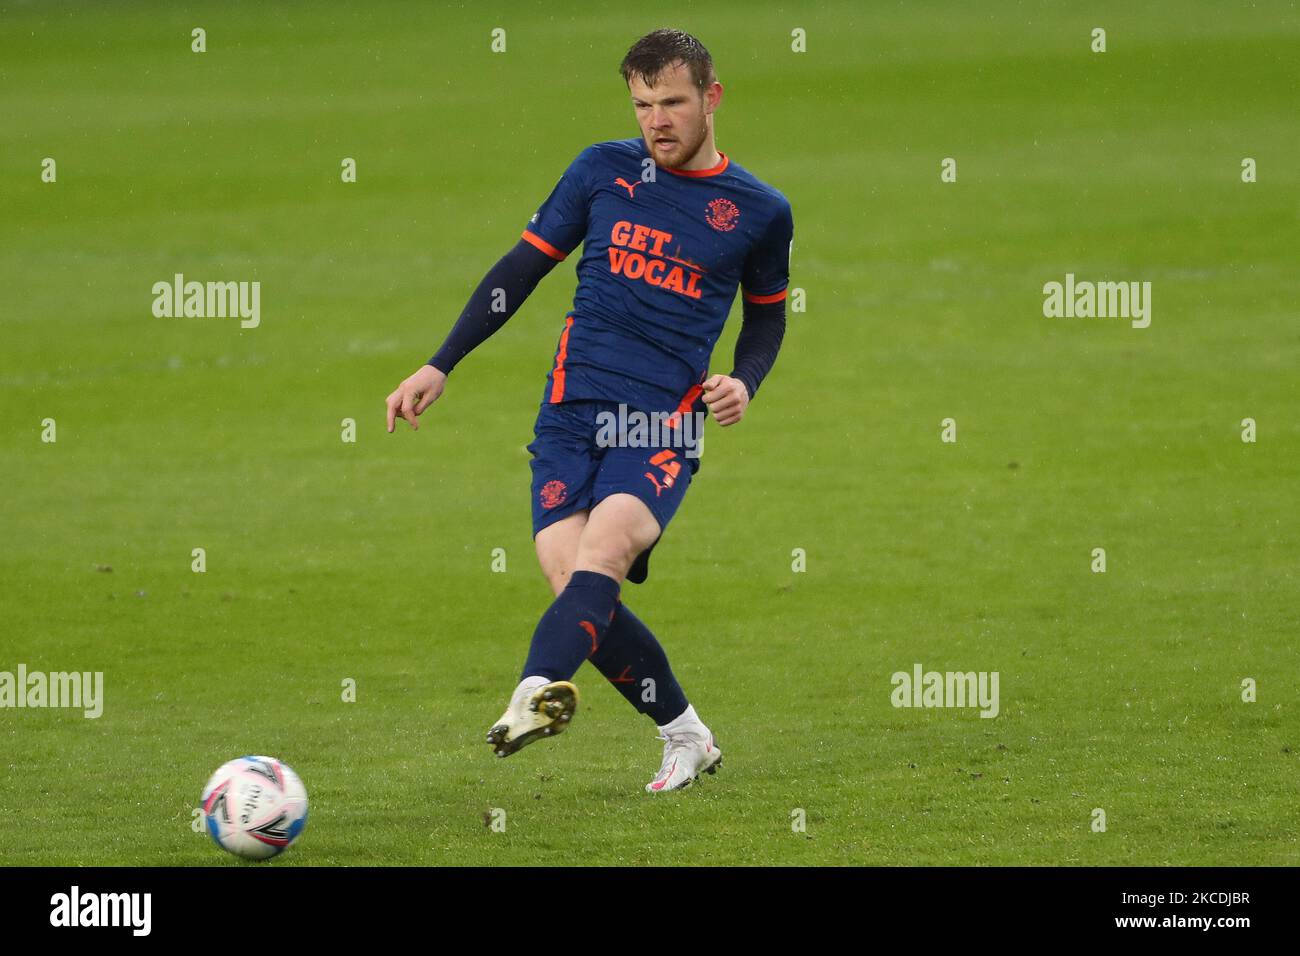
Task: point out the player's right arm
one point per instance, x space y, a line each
555 231
500 294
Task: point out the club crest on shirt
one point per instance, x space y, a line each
722 215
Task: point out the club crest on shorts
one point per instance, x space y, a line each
722 215
553 494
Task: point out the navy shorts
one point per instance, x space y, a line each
576 466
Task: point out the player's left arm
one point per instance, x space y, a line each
761 333
765 278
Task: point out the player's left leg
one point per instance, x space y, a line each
634 662
651 481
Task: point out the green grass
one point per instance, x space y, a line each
371 560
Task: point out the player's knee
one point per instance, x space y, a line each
610 553
610 566
557 549
621 527
558 579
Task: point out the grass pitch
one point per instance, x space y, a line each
371 561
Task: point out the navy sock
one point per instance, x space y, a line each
628 655
572 627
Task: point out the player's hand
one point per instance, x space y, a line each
726 397
414 395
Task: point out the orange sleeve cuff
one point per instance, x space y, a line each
546 247
764 299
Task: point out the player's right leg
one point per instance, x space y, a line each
537 709
628 655
557 549
617 529
608 539
563 467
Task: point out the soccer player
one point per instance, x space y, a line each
670 227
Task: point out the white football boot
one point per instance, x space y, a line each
688 752
538 709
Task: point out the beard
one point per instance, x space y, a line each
683 151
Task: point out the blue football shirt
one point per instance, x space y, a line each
661 262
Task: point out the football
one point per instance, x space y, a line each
254 807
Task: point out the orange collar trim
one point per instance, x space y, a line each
699 173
